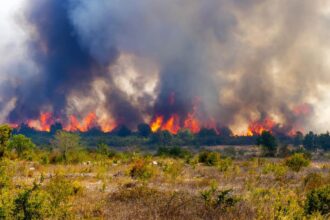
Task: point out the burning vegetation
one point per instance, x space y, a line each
207 67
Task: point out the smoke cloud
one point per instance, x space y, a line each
233 62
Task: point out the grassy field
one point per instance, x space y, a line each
140 186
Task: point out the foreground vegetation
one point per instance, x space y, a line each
67 181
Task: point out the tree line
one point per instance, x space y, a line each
143 136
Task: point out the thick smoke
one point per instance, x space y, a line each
240 61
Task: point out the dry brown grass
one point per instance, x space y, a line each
174 190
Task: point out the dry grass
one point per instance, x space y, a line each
266 190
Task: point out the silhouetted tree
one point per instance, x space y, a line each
298 139
268 142
310 141
225 132
207 132
144 130
324 141
164 138
123 131
186 136
56 127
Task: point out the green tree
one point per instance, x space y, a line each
21 144
66 142
268 142
5 134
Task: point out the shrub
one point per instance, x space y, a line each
277 169
297 161
5 174
175 152
219 199
32 204
104 149
173 169
318 200
313 181
6 204
225 164
60 190
276 203
209 158
141 170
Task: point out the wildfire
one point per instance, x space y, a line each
192 123
257 127
46 120
157 123
86 124
172 125
43 123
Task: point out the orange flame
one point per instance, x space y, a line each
46 120
192 123
43 123
172 125
157 123
87 123
257 127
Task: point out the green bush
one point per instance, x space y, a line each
6 204
175 152
297 161
141 170
60 190
277 169
225 164
6 173
209 158
219 199
173 169
32 203
318 200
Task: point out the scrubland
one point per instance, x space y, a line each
171 184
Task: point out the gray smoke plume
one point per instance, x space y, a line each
243 60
